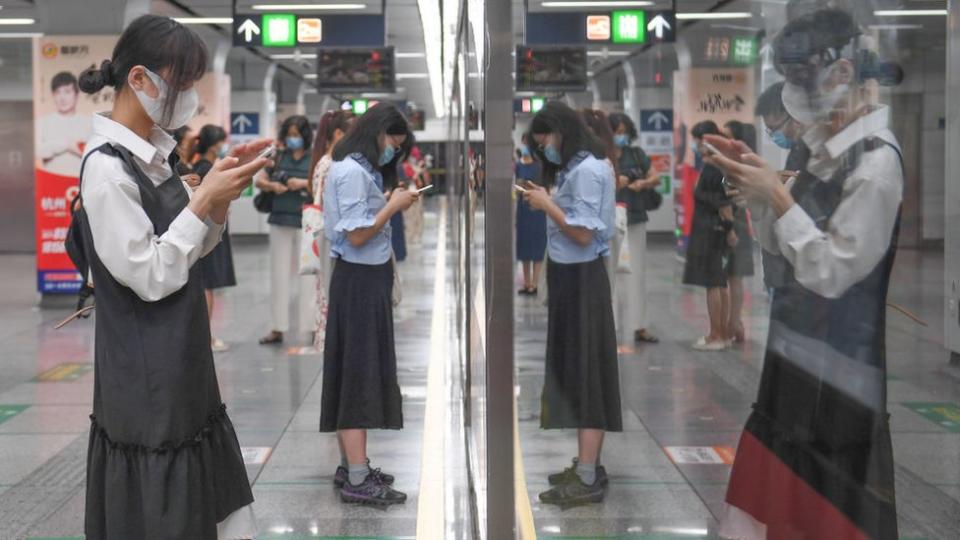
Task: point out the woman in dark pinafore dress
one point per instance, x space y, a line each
163 461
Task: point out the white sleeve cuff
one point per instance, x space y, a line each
188 228
794 228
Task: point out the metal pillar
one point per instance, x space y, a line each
501 516
952 200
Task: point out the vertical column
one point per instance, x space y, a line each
952 199
499 256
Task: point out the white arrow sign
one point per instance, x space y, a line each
658 26
658 119
249 29
242 123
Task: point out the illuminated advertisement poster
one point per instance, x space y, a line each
63 123
702 94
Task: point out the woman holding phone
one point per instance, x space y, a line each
582 385
163 460
815 459
360 388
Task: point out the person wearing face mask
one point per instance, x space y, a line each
582 383
785 132
360 387
163 458
707 247
288 182
415 169
815 459
332 127
531 224
635 185
216 268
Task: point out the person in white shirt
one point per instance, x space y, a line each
63 133
163 459
815 459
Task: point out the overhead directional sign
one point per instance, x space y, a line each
290 29
247 30
629 27
662 26
245 123
656 120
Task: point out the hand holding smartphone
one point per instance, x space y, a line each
424 188
519 188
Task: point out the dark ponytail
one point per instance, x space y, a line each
93 80
159 44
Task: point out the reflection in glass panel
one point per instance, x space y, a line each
729 284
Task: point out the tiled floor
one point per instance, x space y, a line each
678 397
672 397
273 398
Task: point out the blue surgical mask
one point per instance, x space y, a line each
525 151
552 154
222 151
294 143
780 139
387 155
695 148
622 140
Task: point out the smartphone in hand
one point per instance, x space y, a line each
519 188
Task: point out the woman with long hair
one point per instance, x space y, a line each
360 388
599 124
332 127
582 384
531 224
163 459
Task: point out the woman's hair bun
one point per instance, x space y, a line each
93 80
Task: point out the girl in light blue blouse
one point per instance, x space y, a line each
582 384
360 389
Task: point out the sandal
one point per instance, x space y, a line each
272 338
643 336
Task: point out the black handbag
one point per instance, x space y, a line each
263 202
652 199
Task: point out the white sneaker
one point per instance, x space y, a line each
703 345
218 345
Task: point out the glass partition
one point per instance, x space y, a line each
731 320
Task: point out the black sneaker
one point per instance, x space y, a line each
573 493
372 491
342 474
570 473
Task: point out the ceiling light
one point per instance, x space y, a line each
410 55
204 20
310 76
294 56
909 12
12 22
621 3
714 15
895 26
431 21
401 76
12 35
608 53
307 7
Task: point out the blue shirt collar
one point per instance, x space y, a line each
576 160
367 166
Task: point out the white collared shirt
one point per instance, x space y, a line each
154 267
860 230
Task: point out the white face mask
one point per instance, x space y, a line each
814 106
183 109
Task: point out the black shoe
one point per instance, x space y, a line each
342 474
273 338
573 493
570 473
372 491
